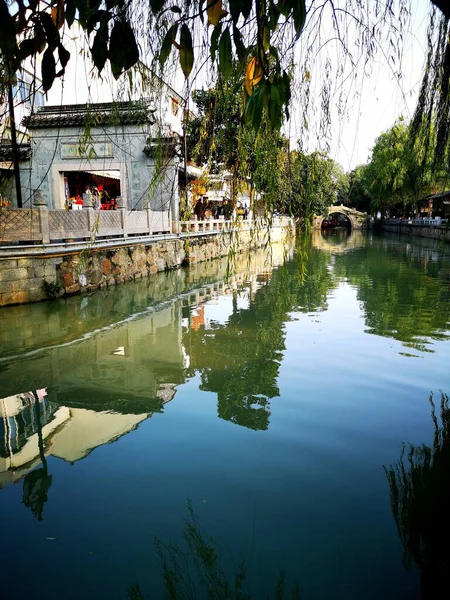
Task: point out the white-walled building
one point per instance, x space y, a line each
135 157
74 147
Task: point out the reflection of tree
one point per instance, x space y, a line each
198 570
240 360
420 498
240 363
37 483
403 299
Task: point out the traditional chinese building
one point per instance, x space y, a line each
111 146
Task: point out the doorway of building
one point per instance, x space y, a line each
105 187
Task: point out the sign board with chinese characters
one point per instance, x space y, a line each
90 151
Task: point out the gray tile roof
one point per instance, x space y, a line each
6 154
107 113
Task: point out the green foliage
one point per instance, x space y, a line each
301 185
243 369
400 173
430 124
212 135
257 34
218 137
186 50
52 290
33 28
309 184
359 196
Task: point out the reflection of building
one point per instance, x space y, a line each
108 370
85 430
18 420
236 350
130 366
19 443
67 433
101 387
198 318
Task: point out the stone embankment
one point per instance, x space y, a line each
57 272
440 232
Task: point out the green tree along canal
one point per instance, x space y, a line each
277 401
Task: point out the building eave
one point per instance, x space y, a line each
76 115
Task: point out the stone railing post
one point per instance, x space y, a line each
123 214
175 226
88 206
148 210
41 205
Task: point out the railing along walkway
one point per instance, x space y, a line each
423 222
43 225
40 225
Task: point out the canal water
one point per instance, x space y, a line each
270 420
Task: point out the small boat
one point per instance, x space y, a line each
327 224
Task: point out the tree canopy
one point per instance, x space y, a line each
396 175
273 46
400 172
259 34
286 180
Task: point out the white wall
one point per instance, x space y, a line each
82 84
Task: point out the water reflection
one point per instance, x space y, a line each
112 359
402 296
420 496
239 359
104 364
337 241
25 422
32 428
108 371
37 483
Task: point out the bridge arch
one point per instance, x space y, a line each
356 218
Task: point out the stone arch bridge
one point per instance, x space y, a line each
358 220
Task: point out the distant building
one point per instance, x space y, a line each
28 95
435 205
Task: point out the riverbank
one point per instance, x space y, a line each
36 273
431 232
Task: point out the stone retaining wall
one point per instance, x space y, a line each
38 278
441 233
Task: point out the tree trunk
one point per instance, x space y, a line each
14 140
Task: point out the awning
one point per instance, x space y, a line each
109 174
